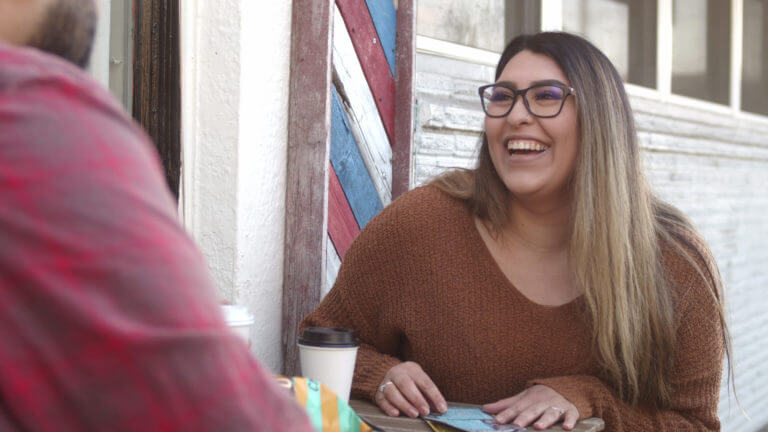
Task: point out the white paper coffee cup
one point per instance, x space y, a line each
239 320
328 355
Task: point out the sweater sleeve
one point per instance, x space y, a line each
342 308
695 380
367 295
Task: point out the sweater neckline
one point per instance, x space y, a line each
485 256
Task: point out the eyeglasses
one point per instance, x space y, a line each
541 100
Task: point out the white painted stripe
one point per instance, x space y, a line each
332 265
367 127
428 45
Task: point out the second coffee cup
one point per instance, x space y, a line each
328 355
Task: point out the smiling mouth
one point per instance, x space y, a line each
525 147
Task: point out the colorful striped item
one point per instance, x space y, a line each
326 411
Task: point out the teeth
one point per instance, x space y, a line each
525 145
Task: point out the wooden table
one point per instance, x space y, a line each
373 415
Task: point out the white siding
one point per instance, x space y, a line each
712 164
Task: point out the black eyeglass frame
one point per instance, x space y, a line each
567 89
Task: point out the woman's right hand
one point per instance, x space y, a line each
406 388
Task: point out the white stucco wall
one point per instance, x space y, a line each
264 81
235 71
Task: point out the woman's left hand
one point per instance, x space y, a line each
538 403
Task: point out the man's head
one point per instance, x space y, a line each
61 27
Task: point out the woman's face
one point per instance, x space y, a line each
543 172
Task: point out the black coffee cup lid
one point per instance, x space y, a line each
328 337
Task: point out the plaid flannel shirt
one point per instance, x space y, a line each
108 316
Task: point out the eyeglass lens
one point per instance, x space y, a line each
543 101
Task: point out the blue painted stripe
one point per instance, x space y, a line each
350 169
385 20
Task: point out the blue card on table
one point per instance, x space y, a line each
470 420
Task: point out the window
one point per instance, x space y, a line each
136 54
121 52
701 49
690 48
476 23
625 30
754 84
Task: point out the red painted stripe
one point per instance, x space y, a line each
371 55
342 226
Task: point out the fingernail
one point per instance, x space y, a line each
425 410
442 407
393 413
413 413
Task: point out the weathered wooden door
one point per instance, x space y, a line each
360 68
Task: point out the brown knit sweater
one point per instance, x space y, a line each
419 284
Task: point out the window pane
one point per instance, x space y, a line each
475 23
625 30
701 49
120 52
754 83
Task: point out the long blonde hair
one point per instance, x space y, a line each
617 225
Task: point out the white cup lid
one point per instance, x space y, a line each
236 315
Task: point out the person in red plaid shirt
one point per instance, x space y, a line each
108 317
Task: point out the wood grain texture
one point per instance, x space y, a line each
402 144
342 226
350 169
156 78
307 173
368 48
384 19
380 420
362 113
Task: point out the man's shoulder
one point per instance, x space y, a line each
29 76
22 62
19 65
53 115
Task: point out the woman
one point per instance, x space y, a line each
549 280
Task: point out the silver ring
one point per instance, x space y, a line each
559 411
381 387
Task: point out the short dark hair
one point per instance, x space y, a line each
67 30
